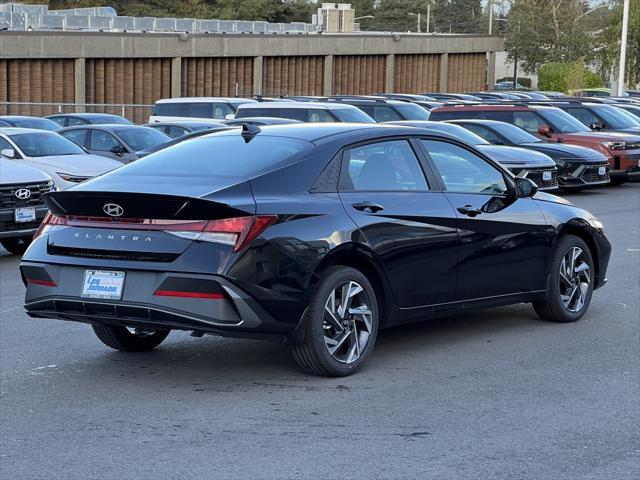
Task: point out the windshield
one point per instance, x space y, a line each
220 156
140 138
44 144
562 122
352 115
616 118
514 134
411 111
37 123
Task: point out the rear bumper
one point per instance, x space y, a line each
54 291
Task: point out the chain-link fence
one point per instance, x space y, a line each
133 112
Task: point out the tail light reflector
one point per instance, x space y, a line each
178 293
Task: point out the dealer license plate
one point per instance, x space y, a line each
602 170
23 215
103 284
546 176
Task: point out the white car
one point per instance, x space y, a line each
63 160
22 207
196 108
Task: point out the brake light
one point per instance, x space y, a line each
238 231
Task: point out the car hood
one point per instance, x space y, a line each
565 150
84 165
548 197
15 171
602 136
516 156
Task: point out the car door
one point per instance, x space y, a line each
410 228
104 143
503 240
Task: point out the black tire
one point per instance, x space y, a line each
119 338
17 246
552 308
313 353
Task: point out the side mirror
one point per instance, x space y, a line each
596 126
8 153
525 187
229 116
544 130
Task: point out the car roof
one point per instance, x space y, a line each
183 123
21 130
206 100
83 115
299 105
103 126
493 106
22 117
315 132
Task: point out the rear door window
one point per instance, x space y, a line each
384 166
79 137
71 121
584 115
175 132
381 113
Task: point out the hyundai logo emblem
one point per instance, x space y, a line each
113 209
23 193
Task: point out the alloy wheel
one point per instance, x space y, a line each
347 322
574 279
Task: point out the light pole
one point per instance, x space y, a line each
623 47
416 15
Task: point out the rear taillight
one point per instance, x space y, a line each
239 231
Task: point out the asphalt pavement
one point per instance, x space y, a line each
496 394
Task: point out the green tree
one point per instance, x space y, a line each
457 16
542 31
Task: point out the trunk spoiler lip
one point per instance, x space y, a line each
179 206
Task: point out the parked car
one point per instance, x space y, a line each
65 162
591 92
507 85
578 167
79 118
495 96
196 108
308 112
535 166
30 122
553 124
313 235
22 206
422 100
174 141
551 93
180 128
118 142
599 116
382 109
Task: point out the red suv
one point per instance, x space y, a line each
553 124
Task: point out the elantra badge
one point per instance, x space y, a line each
22 193
113 209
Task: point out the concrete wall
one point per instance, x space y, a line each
182 50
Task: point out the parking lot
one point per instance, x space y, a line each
489 394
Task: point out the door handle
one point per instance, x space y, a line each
469 211
367 206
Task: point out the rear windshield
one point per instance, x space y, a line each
220 156
411 111
193 109
352 115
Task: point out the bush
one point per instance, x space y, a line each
562 77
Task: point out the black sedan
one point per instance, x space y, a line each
313 235
578 167
537 167
120 142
